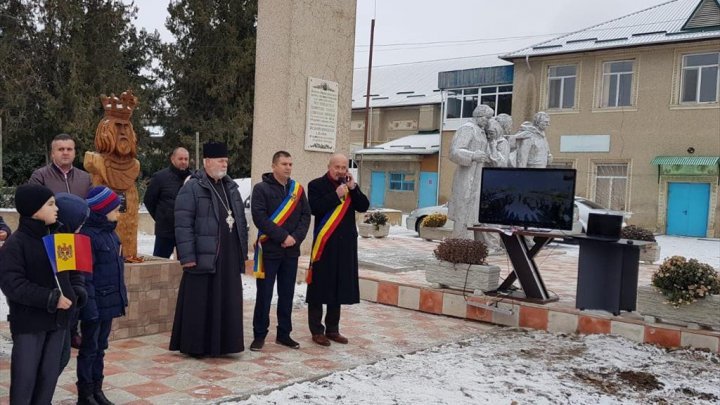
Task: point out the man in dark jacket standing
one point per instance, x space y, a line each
60 175
333 275
160 200
281 213
211 235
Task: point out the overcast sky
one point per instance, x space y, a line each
415 30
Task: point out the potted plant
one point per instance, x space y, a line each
461 265
375 225
431 227
684 291
649 253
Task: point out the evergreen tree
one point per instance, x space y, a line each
210 73
21 90
65 54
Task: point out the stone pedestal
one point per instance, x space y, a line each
370 230
650 253
471 277
435 233
152 294
703 312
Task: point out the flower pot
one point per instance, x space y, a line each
454 275
650 253
369 230
703 312
434 233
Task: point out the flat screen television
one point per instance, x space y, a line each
531 198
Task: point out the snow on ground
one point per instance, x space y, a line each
515 366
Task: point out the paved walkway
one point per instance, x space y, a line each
142 371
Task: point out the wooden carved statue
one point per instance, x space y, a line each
114 163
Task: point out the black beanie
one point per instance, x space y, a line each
29 198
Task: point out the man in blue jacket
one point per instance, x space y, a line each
281 212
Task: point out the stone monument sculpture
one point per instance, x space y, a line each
114 163
532 145
498 145
469 151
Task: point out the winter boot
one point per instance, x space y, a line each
85 394
100 397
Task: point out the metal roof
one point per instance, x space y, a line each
418 144
655 25
686 160
411 83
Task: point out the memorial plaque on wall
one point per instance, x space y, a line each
321 118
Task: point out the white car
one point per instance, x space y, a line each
583 207
415 218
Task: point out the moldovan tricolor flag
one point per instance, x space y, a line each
69 251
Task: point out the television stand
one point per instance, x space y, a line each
525 270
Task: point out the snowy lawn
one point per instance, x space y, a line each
514 366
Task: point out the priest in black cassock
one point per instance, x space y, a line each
333 275
211 235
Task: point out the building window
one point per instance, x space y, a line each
700 78
462 102
499 98
561 86
617 83
401 182
611 185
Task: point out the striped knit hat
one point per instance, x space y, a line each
102 200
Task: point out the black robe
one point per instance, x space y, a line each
335 275
209 313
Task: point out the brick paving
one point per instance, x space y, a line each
140 370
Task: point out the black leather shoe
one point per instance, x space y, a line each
257 344
287 341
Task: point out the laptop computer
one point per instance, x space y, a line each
604 227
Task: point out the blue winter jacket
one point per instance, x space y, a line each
107 294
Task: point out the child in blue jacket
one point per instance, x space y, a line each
39 300
107 295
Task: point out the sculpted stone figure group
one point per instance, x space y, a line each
486 141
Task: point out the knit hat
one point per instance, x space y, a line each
212 150
102 200
29 198
72 211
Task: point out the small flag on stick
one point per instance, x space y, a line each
69 251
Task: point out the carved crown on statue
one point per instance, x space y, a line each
114 162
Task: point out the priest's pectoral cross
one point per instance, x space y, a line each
230 220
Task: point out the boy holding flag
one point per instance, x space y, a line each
39 298
281 212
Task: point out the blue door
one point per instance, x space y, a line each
427 195
377 190
687 212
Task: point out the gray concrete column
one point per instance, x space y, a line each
298 39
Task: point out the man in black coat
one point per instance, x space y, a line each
211 234
333 274
160 200
281 213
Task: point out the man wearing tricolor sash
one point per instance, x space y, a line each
333 275
281 213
